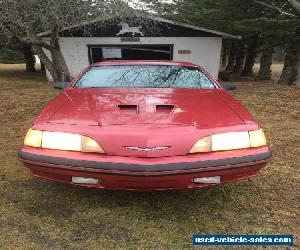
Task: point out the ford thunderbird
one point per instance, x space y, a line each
144 125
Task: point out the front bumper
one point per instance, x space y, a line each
145 173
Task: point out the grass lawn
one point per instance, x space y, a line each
35 214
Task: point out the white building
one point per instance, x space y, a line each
132 41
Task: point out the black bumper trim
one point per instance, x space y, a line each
239 161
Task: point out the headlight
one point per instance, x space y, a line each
229 141
203 145
33 138
257 138
61 141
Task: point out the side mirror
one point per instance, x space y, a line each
228 86
59 85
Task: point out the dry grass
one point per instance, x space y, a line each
35 214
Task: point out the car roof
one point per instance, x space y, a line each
144 62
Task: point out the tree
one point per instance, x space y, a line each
267 20
289 73
291 70
232 56
24 20
15 52
225 52
252 50
240 57
29 58
291 8
266 59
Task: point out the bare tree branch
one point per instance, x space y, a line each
274 7
295 4
25 20
36 42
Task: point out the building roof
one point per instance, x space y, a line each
173 29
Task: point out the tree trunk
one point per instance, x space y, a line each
29 58
252 51
296 6
57 66
291 69
58 59
43 67
46 61
240 58
289 72
297 80
265 72
232 56
60 65
225 52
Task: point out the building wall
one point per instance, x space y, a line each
205 51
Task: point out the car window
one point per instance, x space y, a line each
144 76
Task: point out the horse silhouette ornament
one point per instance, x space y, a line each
127 29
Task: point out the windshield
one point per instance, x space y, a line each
144 76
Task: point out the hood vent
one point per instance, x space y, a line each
164 109
128 109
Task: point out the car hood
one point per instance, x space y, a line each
145 122
122 106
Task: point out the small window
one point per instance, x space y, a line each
111 53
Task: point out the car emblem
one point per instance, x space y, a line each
146 149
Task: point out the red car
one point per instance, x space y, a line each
144 125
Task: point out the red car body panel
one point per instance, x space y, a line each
155 117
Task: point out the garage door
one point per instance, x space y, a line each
99 53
